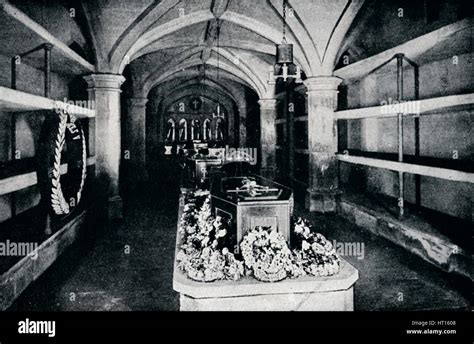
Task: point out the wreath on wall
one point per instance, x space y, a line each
62 132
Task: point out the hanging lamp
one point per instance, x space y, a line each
284 58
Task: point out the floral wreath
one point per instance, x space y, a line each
266 254
203 255
56 132
314 255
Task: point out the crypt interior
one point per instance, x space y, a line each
366 122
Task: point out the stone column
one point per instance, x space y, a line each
268 113
231 127
242 126
154 132
104 90
136 135
322 144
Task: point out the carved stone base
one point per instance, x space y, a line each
335 301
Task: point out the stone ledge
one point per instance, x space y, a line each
249 286
14 281
413 233
321 301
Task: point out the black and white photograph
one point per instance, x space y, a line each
162 159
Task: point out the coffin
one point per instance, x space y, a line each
200 167
249 201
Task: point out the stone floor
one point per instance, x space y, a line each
130 266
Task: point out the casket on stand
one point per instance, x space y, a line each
249 201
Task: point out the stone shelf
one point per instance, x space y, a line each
429 171
14 281
426 106
420 235
21 181
20 34
18 101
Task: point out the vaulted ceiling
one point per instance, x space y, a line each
228 39
156 41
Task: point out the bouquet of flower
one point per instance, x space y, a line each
202 255
209 264
266 254
314 254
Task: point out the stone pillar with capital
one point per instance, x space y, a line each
322 192
268 113
136 135
104 90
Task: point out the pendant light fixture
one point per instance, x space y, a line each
284 58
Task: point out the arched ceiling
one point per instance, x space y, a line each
229 89
208 93
238 37
192 65
163 40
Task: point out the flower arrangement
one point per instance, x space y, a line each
314 254
203 255
266 254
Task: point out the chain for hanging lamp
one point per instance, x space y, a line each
284 22
284 50
218 29
284 56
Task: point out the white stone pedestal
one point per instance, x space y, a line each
334 293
